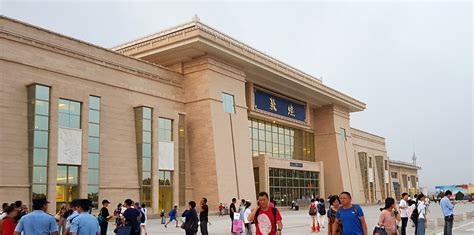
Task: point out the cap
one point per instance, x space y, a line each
105 201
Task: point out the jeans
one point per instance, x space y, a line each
448 225
416 225
204 228
404 225
420 229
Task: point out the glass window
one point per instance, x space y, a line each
280 141
75 108
63 120
69 114
93 161
146 164
146 150
40 157
146 113
146 178
39 175
63 106
93 176
146 125
42 92
165 129
93 129
94 116
61 174
93 144
41 107
73 174
94 102
146 137
41 139
228 102
74 121
41 122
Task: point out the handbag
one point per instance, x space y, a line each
237 226
379 231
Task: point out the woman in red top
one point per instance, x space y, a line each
9 223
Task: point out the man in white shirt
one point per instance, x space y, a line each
404 212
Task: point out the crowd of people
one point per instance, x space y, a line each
342 217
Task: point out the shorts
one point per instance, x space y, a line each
172 218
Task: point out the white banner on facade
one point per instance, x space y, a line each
386 177
371 174
69 146
166 156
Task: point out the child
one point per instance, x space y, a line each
172 215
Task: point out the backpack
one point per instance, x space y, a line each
274 212
312 210
321 209
142 216
415 213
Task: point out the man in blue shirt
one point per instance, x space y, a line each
351 216
84 223
38 222
447 208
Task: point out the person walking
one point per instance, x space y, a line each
351 216
313 211
172 214
204 216
447 207
84 223
334 203
248 225
38 221
389 216
267 219
8 221
104 217
422 220
221 209
321 213
191 223
403 207
144 219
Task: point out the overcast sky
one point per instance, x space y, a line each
411 63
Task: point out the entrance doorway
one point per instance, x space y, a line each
165 199
67 186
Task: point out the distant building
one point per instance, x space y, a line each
404 177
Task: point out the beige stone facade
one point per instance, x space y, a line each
183 75
404 178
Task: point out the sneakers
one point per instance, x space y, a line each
166 226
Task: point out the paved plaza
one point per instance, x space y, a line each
298 222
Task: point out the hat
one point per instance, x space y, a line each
105 201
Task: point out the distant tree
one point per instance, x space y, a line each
459 195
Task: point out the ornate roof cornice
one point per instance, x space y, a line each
239 47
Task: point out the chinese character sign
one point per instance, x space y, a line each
275 104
